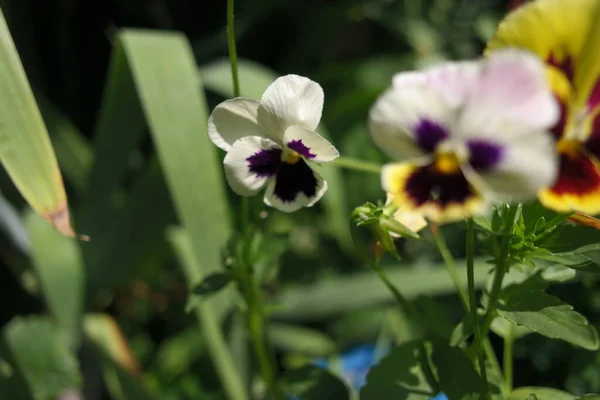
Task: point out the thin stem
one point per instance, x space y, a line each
256 324
233 61
356 165
450 265
473 303
508 360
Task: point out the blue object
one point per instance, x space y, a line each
354 364
440 396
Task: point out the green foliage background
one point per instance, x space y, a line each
130 181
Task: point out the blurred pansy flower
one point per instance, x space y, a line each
269 142
470 132
566 35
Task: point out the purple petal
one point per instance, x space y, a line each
427 185
299 147
293 179
265 162
429 134
484 155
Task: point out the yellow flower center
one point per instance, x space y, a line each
290 156
569 147
447 163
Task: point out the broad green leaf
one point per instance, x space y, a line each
541 393
41 352
59 265
548 316
314 383
399 376
456 375
165 76
293 338
505 329
209 322
254 80
119 367
26 152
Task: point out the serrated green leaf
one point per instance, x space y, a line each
59 265
540 393
548 316
399 376
42 355
26 152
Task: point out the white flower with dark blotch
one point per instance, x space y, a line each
471 133
271 142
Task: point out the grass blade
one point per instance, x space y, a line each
26 152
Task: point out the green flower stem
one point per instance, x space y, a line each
460 288
508 360
450 265
356 165
233 61
473 304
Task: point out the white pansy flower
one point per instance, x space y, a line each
470 133
269 142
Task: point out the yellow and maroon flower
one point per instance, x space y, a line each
473 133
566 35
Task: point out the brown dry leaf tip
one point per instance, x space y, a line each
60 219
120 350
584 219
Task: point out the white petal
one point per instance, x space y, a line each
512 87
290 100
526 166
453 80
232 120
272 200
397 113
309 144
237 166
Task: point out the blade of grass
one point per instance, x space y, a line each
217 346
333 296
26 152
59 265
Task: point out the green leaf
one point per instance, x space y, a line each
293 338
504 329
41 352
211 284
26 152
548 316
456 374
314 383
59 265
165 76
541 393
399 376
585 258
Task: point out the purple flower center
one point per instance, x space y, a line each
484 155
299 147
427 185
429 134
265 162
